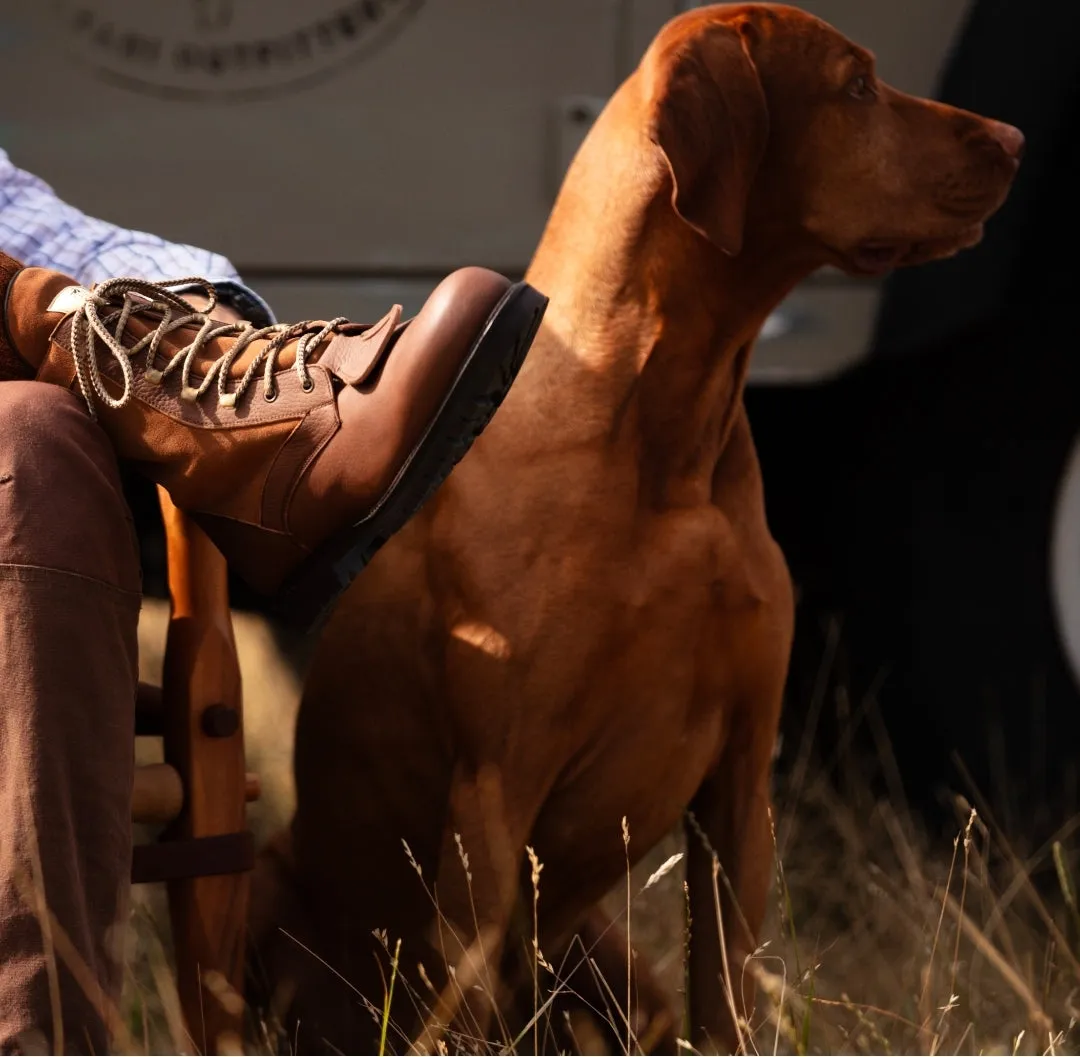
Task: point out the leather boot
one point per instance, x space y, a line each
300 449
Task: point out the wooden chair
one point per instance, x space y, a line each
206 852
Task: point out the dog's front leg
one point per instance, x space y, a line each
475 892
729 864
653 1023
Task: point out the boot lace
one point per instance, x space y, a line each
115 301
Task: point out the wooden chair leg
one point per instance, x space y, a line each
204 742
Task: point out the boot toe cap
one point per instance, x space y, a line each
457 308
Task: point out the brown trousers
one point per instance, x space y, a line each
69 607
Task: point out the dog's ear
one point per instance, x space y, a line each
710 119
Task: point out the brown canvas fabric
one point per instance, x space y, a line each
69 604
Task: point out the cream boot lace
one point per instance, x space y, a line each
115 301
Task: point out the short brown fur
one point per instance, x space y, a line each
592 619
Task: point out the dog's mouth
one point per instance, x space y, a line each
876 257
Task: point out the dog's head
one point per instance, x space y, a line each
766 115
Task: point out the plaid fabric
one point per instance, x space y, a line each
40 230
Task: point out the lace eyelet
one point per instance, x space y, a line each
307 384
270 395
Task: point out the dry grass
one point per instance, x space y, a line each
884 944
879 941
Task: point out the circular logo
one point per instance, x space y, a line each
226 48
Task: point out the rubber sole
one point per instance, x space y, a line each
483 381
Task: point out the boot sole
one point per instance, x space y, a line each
482 382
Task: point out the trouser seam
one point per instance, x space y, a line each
20 573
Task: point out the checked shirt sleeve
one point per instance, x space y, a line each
40 230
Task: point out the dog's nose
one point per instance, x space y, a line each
1009 138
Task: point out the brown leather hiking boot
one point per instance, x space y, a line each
299 449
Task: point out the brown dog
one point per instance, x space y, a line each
591 620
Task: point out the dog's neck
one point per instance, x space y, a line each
649 322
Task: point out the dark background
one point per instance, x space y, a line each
913 496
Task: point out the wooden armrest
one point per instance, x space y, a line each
157 794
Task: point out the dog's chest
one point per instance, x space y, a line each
657 649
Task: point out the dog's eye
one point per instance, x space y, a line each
861 87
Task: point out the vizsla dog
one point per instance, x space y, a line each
591 620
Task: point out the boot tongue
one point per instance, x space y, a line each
38 299
351 352
215 349
211 351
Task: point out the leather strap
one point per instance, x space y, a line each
149 712
178 860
